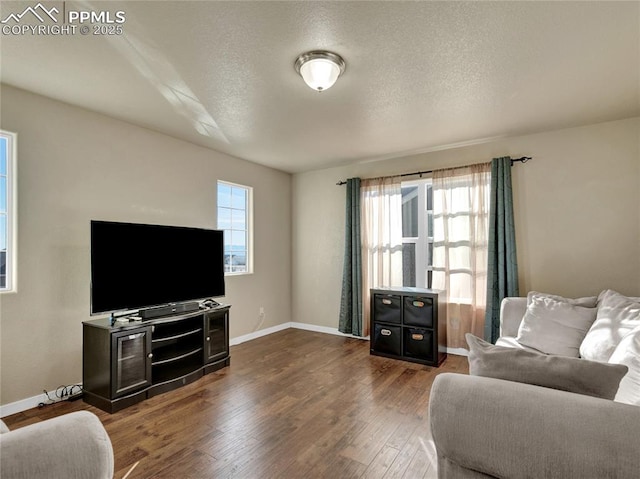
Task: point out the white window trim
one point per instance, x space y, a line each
249 210
421 241
12 212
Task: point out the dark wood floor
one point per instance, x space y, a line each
292 404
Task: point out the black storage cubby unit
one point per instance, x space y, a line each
409 324
126 362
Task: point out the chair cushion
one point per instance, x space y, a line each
555 326
617 316
575 375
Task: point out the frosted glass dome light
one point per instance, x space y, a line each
320 69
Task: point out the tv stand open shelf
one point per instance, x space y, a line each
126 362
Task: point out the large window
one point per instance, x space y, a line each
7 211
417 233
235 219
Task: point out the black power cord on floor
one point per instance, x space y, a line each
62 393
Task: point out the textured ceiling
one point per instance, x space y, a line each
419 76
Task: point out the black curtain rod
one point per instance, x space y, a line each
524 159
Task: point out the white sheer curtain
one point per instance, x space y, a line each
381 226
460 239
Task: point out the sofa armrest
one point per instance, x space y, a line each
508 429
511 313
73 446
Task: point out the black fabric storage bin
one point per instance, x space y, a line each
418 311
386 308
386 339
418 343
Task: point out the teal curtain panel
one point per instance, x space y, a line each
351 302
502 271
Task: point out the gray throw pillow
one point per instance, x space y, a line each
554 326
574 375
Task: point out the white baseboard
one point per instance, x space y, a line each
280 327
28 403
324 329
458 351
258 334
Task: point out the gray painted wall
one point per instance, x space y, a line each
577 207
75 165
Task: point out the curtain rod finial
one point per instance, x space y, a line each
523 159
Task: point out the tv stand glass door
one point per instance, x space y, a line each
132 361
216 337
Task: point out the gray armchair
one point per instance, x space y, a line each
73 446
485 427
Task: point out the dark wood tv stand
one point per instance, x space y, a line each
124 363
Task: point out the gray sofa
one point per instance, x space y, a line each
73 446
485 427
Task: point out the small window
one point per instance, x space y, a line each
417 233
235 203
7 211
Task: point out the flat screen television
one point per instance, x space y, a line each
137 266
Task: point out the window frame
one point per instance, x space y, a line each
424 264
248 223
11 277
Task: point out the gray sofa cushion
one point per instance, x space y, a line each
557 372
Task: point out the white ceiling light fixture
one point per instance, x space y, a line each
320 69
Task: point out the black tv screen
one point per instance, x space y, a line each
135 266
